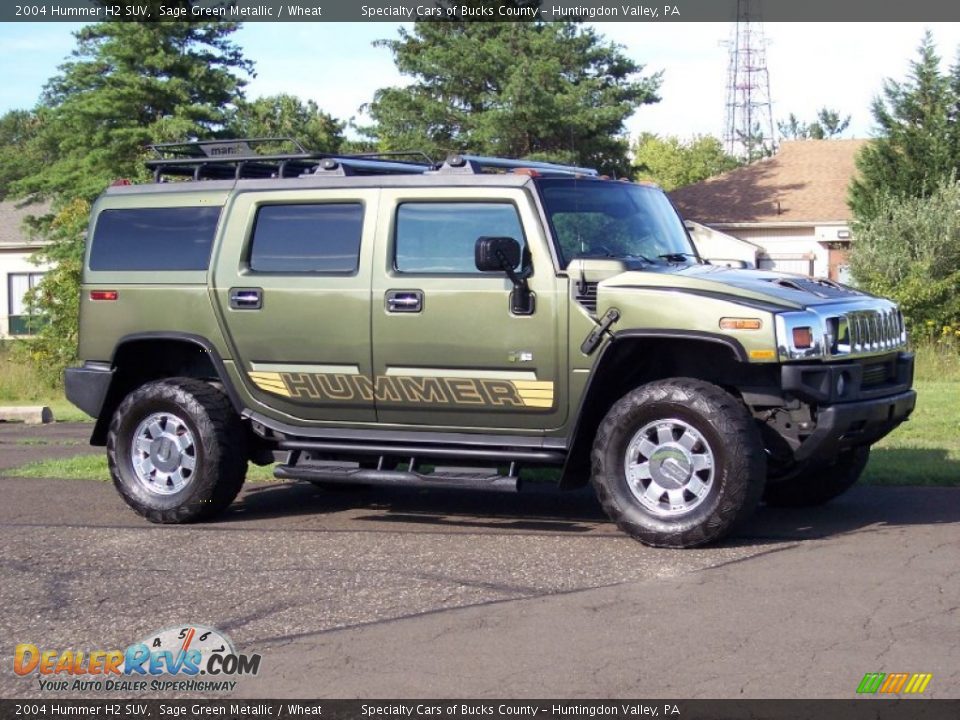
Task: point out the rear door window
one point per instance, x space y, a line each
318 238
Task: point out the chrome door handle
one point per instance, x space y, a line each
404 301
246 298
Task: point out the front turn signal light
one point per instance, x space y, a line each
740 323
802 338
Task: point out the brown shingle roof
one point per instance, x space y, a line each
808 178
12 215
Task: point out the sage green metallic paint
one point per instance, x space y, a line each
465 327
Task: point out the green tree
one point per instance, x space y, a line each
918 141
288 116
909 249
126 84
829 124
56 300
555 91
672 163
21 153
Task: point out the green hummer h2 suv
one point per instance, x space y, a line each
394 321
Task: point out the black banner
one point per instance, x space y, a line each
483 10
855 709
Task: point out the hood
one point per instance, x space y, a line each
789 292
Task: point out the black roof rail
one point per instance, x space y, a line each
239 158
475 164
360 165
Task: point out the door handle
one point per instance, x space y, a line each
246 298
404 301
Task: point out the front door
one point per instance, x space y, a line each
293 286
447 348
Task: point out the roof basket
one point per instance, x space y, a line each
270 157
476 164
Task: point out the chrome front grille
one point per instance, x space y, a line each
865 332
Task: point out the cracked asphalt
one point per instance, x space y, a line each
376 593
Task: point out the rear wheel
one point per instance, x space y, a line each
678 463
175 450
817 486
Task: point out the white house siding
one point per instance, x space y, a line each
13 261
791 249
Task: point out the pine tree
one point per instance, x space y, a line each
555 91
288 116
917 143
128 84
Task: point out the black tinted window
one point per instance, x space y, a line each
441 237
307 238
176 238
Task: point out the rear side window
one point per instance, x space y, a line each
174 238
434 238
307 238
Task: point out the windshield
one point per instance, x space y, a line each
592 218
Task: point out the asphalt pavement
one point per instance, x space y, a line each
404 593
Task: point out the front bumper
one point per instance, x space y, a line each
851 403
847 425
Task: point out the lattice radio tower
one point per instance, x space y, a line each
748 130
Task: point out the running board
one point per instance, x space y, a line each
441 477
475 454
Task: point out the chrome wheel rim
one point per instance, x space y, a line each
164 454
669 466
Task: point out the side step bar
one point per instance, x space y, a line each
350 474
499 455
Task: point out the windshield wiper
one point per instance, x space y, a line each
678 256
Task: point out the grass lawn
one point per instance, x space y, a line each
94 467
19 386
925 450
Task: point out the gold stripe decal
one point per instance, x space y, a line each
451 391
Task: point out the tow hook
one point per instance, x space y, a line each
596 335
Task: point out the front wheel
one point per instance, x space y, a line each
818 485
678 463
176 451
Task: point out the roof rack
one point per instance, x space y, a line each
475 164
239 158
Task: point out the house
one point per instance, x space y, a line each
792 205
17 273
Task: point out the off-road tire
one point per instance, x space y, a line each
732 435
817 486
221 460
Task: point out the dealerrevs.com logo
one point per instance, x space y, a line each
187 658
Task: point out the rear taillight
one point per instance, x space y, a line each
104 294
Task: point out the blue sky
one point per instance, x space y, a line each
841 65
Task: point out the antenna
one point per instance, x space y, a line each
748 129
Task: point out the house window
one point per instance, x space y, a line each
21 322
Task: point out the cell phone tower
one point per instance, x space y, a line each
748 130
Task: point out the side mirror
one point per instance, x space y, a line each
496 254
503 254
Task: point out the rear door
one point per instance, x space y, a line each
292 282
447 349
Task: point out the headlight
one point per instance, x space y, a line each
801 336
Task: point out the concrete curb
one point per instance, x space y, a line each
31 415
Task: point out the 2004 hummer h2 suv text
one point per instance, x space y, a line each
387 320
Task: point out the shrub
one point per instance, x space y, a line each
910 251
